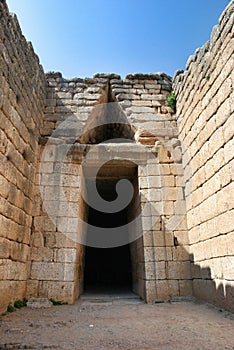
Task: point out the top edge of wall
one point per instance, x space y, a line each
225 24
13 22
160 77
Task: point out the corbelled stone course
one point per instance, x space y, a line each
22 100
205 111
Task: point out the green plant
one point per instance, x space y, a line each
57 302
171 100
20 303
10 308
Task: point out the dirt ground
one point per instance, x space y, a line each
111 324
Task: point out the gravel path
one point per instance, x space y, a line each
119 324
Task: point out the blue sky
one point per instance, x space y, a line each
82 37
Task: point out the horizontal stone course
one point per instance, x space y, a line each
204 113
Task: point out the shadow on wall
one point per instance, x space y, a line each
214 291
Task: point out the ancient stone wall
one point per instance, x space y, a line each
21 114
52 129
205 115
142 98
162 267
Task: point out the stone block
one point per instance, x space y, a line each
65 255
63 291
228 267
5 248
162 253
185 288
228 150
197 251
155 195
168 181
45 271
15 290
230 243
42 254
218 246
150 291
122 97
226 174
179 270
5 187
149 254
32 288
59 240
12 270
173 288
140 110
140 103
19 252
150 270
168 208
162 291
182 237
226 222
180 253
173 193
148 238
147 223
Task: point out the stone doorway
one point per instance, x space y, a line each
111 269
108 270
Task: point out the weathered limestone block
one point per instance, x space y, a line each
226 222
158 239
122 97
182 238
185 288
180 253
173 288
179 270
65 255
168 181
13 270
19 252
151 270
163 253
5 248
63 291
169 208
141 104
52 271
15 290
140 110
162 291
42 254
155 195
32 288
173 193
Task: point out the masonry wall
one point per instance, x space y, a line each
162 266
205 114
21 114
45 126
142 98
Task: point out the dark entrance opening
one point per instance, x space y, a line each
108 270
